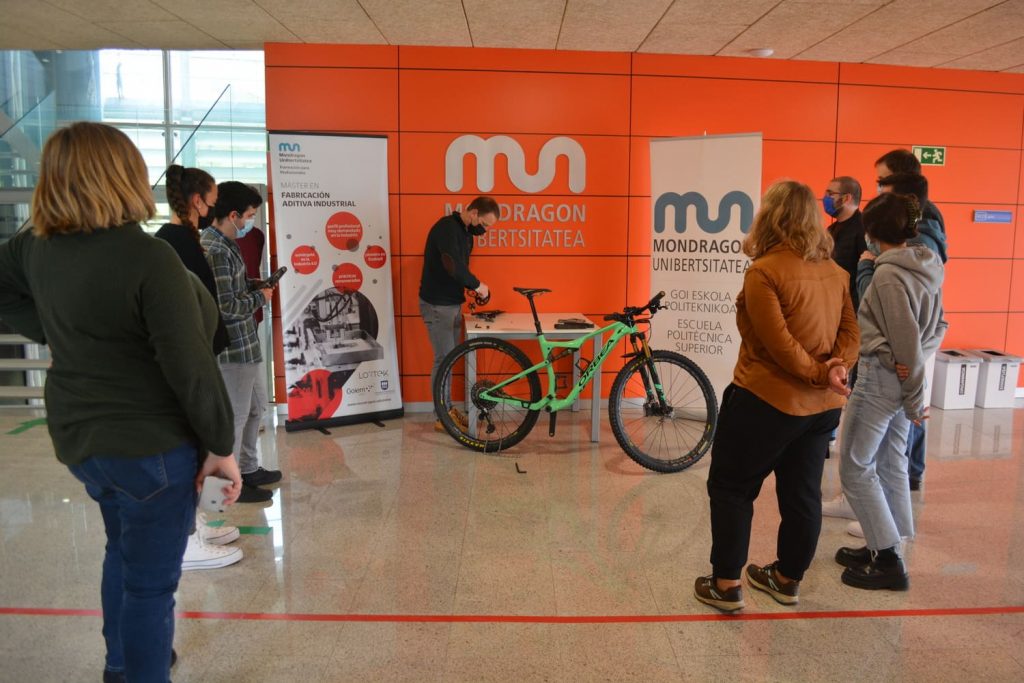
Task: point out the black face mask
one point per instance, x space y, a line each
206 221
476 230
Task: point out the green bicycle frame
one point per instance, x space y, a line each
550 401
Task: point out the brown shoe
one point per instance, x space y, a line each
438 427
706 590
766 579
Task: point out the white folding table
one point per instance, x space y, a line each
520 326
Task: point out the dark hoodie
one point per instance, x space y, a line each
901 317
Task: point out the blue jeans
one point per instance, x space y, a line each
148 506
873 456
915 450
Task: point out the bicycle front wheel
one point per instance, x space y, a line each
669 436
473 367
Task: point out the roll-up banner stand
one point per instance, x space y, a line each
330 195
704 192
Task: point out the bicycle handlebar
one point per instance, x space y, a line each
629 312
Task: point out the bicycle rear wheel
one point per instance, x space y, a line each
669 438
489 426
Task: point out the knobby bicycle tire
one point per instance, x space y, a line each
664 441
491 360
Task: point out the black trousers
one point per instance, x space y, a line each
753 440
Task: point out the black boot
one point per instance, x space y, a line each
885 571
853 557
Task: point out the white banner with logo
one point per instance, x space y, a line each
330 196
704 192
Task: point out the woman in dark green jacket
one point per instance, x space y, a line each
134 387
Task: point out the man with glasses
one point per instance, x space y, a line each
446 276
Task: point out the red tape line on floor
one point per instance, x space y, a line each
515 619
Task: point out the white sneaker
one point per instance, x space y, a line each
855 530
838 507
199 555
215 535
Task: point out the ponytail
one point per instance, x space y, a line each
182 183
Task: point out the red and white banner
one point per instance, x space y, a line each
330 195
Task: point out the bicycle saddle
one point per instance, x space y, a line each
530 292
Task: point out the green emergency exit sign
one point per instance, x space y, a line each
930 156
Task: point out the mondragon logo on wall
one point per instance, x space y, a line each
523 224
289 147
487 151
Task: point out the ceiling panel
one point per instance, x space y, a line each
874 33
966 34
532 24
325 21
997 25
420 22
609 24
791 27
703 28
166 35
993 59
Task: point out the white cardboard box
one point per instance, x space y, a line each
956 380
997 379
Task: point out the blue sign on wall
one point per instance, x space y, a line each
993 216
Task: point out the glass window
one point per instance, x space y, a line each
224 153
198 78
132 85
150 142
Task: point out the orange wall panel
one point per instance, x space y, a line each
976 285
295 54
665 106
971 175
529 225
943 79
639 238
579 104
967 239
332 99
503 59
975 331
809 162
579 284
734 68
929 117
1015 339
1017 287
423 158
1018 249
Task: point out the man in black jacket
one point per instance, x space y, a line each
446 276
841 201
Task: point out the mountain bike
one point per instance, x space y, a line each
662 408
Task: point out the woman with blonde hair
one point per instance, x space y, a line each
134 386
799 339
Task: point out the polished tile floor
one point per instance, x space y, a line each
393 554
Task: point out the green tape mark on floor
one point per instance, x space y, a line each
256 530
216 523
25 426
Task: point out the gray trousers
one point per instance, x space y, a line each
444 327
248 394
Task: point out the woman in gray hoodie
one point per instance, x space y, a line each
901 323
